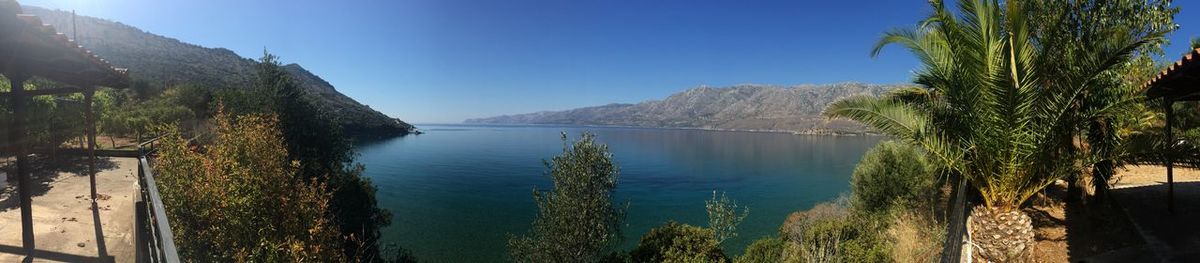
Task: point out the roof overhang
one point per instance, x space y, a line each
1179 82
30 48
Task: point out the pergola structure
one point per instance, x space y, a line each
1179 82
29 48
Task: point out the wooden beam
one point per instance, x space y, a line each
50 91
84 152
89 129
1167 103
16 137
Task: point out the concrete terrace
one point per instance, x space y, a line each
1142 193
66 228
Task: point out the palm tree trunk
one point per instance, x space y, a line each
1100 173
1002 236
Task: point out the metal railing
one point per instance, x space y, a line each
153 238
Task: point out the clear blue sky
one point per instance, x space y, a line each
441 61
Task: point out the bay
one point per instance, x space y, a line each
457 192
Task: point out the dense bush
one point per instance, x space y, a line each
765 250
831 232
890 173
675 242
576 221
241 199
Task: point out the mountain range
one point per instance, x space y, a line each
166 61
749 107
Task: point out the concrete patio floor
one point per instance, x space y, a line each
1142 192
65 225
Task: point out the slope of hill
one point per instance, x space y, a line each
743 107
166 61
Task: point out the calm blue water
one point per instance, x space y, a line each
457 192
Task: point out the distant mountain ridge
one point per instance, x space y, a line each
748 107
166 61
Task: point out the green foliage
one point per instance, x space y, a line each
577 221
892 173
764 250
1142 136
195 98
723 217
142 90
675 242
395 254
241 199
851 240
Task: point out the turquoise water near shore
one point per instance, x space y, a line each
457 191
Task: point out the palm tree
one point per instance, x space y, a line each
988 111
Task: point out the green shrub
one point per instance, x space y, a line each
849 239
675 242
890 173
240 199
765 250
576 221
831 232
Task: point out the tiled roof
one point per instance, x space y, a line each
39 49
1180 80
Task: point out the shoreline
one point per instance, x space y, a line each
812 133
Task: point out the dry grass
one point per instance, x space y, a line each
915 237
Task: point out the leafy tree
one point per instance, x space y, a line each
990 111
891 173
675 242
1068 33
577 221
723 217
195 98
241 199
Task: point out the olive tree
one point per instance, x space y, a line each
577 220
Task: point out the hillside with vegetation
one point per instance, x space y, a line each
743 107
161 61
